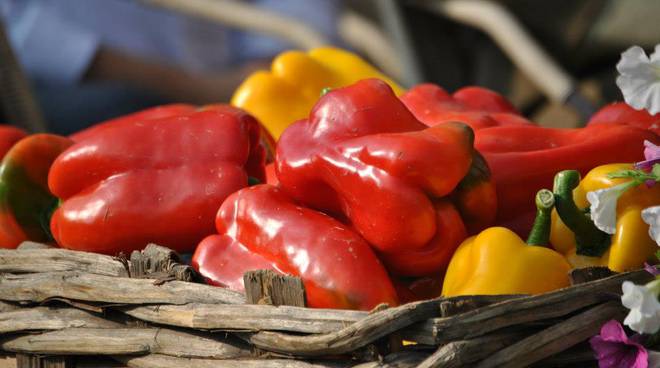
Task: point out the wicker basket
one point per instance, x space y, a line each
148 310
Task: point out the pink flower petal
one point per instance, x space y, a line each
613 348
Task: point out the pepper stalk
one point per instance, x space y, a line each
589 240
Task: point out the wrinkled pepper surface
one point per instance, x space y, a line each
25 201
524 159
160 180
497 261
364 158
289 90
260 227
582 242
622 113
9 135
475 106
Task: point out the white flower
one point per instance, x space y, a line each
640 78
651 216
603 206
644 315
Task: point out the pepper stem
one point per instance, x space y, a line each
589 240
540 233
325 91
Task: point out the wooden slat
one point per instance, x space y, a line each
246 317
162 361
268 287
521 311
54 260
463 353
44 318
349 338
95 341
556 338
38 287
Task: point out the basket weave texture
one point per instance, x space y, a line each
150 310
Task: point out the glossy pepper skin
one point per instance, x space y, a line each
364 158
25 201
475 106
497 261
630 246
524 159
623 114
152 113
260 227
9 135
289 90
159 180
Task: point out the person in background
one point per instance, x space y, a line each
90 60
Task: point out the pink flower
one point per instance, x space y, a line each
651 156
614 349
651 269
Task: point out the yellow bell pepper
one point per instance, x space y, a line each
290 89
575 235
497 261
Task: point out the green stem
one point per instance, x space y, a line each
540 233
589 240
325 91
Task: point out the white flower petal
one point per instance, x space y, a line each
651 216
655 56
603 208
644 315
640 78
633 295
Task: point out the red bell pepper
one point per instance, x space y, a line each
262 228
364 158
9 135
478 107
165 111
622 113
162 180
524 159
157 112
25 201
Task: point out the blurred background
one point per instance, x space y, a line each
66 64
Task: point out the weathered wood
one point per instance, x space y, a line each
34 361
462 304
162 361
158 262
8 307
33 245
38 287
556 338
268 287
53 260
587 274
75 362
405 359
246 317
44 318
581 355
521 311
95 341
463 353
349 338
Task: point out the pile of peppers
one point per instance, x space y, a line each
374 194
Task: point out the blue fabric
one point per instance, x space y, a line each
56 39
